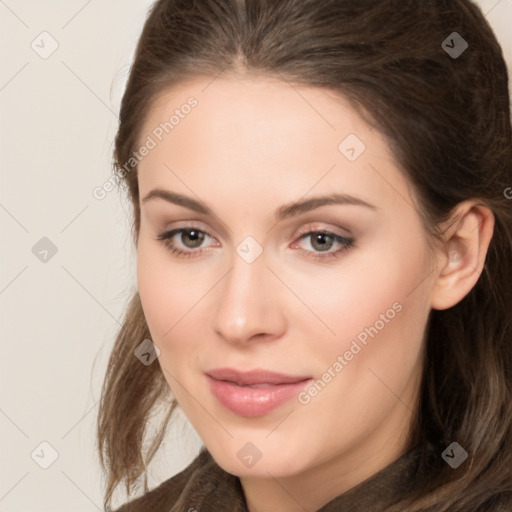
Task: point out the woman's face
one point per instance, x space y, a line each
333 294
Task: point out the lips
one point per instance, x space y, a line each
253 393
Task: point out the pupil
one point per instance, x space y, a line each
194 235
319 238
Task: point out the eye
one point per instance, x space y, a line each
190 237
324 240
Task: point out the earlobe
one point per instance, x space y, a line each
461 258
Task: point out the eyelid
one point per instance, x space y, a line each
189 224
318 226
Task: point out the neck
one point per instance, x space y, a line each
310 490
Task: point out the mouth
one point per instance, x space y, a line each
256 392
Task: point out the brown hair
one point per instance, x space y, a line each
447 120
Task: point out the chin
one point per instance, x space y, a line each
280 464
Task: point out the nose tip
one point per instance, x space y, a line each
246 306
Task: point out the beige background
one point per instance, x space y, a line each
59 317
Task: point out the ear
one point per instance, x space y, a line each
461 257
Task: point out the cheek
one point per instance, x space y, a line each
165 292
169 300
373 359
367 286
379 314
378 309
166 285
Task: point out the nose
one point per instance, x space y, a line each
248 304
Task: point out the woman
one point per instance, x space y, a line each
324 258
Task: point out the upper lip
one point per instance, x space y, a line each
256 376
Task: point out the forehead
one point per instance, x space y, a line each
255 135
256 108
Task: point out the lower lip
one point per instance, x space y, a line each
252 402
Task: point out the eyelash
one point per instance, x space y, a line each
346 243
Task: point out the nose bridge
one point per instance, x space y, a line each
247 305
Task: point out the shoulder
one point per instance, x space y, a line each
163 497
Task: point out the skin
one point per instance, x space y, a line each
251 145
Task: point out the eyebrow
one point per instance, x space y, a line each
284 212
